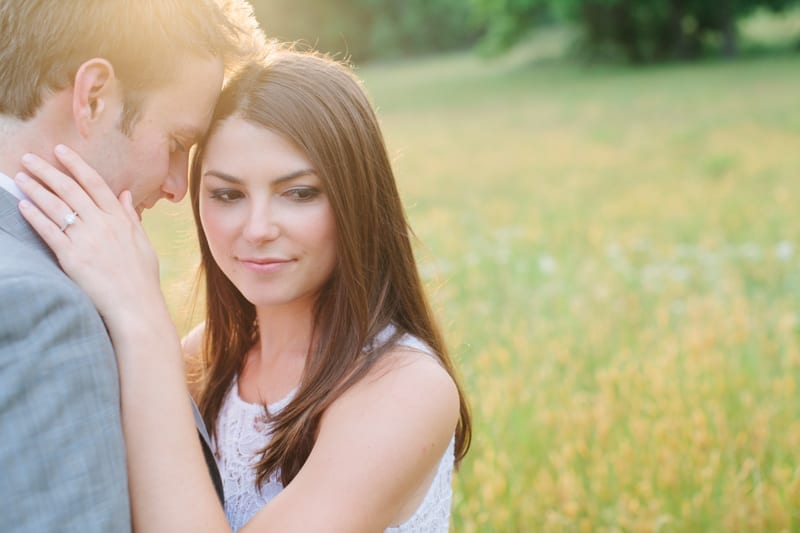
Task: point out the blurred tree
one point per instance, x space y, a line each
507 21
638 30
367 29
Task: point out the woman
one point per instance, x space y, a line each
324 381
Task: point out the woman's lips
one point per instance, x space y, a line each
265 265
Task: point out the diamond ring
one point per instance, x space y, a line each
69 219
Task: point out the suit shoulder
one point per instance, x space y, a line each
44 313
25 267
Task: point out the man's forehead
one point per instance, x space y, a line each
187 102
190 120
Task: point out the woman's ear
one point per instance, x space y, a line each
95 85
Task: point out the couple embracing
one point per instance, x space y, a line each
323 396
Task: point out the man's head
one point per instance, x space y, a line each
130 84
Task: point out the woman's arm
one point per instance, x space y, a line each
170 487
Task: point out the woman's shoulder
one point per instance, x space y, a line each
407 384
405 368
192 342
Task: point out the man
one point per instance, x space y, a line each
130 85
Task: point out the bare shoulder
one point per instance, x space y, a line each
406 385
405 371
192 343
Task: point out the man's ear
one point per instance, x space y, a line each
95 85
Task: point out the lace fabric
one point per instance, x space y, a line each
243 433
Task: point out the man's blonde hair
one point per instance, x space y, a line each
44 42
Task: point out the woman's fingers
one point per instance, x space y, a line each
51 234
62 188
94 184
126 199
84 189
60 214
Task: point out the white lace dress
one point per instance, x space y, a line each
243 433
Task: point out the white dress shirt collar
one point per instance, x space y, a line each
9 185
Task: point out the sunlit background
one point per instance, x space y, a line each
606 198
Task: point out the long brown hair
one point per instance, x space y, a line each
317 104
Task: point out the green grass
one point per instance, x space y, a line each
614 257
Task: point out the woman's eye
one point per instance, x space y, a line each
226 195
302 194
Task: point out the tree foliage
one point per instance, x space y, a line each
638 30
506 21
366 29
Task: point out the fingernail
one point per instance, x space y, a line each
21 177
25 205
61 149
28 158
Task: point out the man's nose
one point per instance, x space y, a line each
176 184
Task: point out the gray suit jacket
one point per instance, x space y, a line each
62 455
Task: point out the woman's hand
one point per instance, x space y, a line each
98 238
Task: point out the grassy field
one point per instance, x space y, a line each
614 257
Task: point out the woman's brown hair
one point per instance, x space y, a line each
317 104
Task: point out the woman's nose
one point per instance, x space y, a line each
262 224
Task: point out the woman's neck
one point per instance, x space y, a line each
274 366
284 331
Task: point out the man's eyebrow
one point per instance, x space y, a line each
238 181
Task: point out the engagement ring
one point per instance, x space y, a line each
69 219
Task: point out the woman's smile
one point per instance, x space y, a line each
265 265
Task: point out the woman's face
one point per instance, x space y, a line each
266 215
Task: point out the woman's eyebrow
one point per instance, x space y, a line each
238 181
222 176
